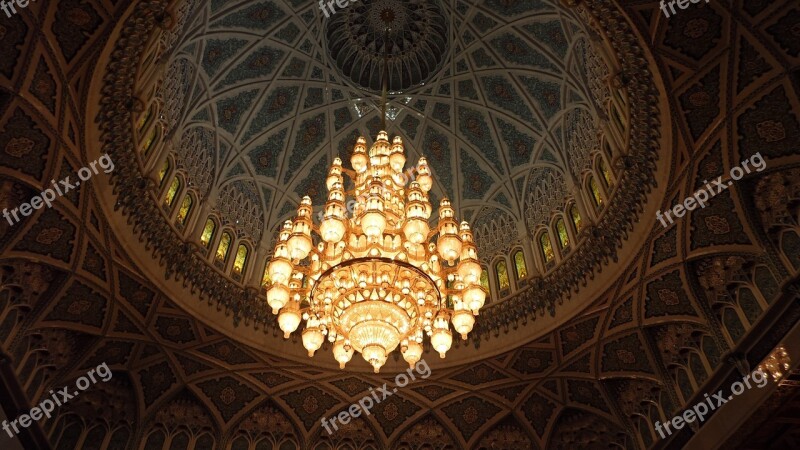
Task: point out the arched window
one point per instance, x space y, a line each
208 232
224 245
186 207
241 443
503 282
163 172
607 148
563 237
606 174
203 442
155 440
241 259
546 247
576 217
173 190
151 139
485 279
598 199
519 265
180 442
145 119
617 119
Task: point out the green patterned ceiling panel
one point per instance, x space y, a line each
477 89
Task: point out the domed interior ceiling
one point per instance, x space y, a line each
416 35
701 302
260 108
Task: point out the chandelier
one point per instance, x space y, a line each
776 364
375 276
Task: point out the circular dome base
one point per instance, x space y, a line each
418 38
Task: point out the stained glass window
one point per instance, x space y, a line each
186 206
604 170
547 247
576 218
163 171
563 237
519 265
144 119
502 275
485 279
148 143
208 233
224 245
173 190
598 200
241 259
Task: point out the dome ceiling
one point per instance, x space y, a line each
260 108
515 126
412 34
81 298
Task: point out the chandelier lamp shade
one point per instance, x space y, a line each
376 276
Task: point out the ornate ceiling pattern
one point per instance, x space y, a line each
242 192
677 323
477 100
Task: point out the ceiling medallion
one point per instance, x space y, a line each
376 279
417 43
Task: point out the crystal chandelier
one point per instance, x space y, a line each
379 277
776 364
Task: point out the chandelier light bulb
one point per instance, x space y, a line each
449 247
375 355
288 320
335 174
332 230
441 341
375 279
312 336
280 269
300 242
469 270
397 159
412 353
463 322
277 296
342 353
424 175
474 297
359 159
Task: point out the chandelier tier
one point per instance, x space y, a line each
378 277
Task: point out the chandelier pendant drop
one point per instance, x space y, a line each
379 277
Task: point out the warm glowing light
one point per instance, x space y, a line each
776 364
463 322
380 277
342 352
288 320
412 353
277 296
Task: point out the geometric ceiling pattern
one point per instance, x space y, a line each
628 94
502 108
653 343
